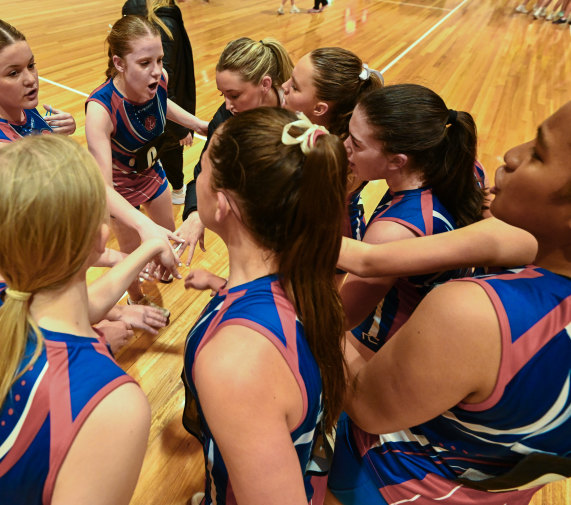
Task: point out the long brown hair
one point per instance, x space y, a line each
336 80
122 34
413 120
47 231
278 189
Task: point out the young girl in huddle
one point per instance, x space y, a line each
249 74
19 92
73 425
263 364
124 121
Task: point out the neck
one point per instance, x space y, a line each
120 84
65 310
247 260
12 114
271 99
554 259
402 180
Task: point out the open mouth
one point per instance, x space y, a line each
154 86
32 94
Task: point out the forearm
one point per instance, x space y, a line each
108 289
123 211
177 114
487 243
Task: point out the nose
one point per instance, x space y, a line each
157 68
347 144
228 103
515 156
29 77
286 86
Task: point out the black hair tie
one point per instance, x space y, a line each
452 117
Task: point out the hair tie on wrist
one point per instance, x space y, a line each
21 296
452 117
366 73
307 139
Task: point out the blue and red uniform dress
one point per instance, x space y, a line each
34 124
418 210
525 421
46 408
262 306
138 175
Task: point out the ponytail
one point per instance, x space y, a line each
16 322
277 189
413 120
308 263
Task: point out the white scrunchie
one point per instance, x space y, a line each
366 73
307 139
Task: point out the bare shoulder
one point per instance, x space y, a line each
448 352
112 440
243 370
381 232
239 355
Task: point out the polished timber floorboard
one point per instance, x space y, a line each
510 72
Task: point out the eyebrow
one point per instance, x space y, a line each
295 83
355 139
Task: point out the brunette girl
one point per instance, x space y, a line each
264 362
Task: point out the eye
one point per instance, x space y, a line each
534 155
31 66
12 73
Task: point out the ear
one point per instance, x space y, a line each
222 207
266 83
320 109
397 161
119 63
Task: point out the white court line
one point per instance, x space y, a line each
406 4
62 86
383 71
418 41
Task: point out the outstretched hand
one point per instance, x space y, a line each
203 279
142 317
167 260
191 232
116 333
186 141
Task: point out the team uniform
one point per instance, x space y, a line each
418 210
34 124
354 223
46 408
138 175
508 443
260 305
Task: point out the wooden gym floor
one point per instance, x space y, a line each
509 71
